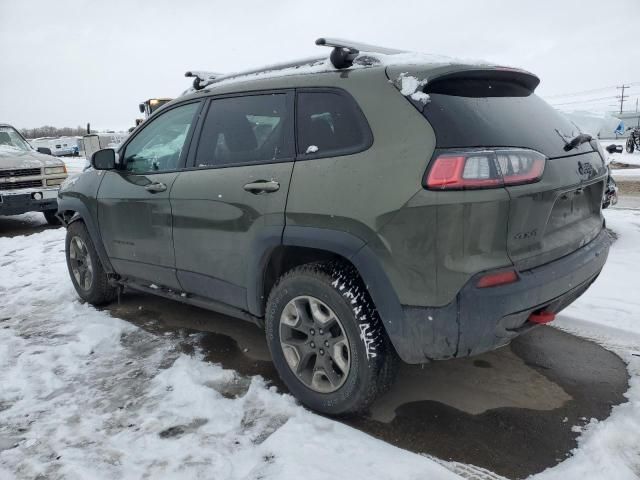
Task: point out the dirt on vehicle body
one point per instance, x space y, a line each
383 206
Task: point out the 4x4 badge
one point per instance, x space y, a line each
525 235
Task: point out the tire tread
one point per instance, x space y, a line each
381 356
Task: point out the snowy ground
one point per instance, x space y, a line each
75 164
632 159
85 395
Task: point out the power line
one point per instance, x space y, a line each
582 92
593 90
599 99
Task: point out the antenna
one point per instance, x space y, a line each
345 51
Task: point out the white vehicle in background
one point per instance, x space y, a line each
29 178
60 146
93 142
64 146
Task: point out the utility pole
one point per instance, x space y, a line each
622 96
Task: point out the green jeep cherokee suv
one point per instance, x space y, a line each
368 208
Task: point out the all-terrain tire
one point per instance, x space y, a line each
372 358
630 145
50 216
99 292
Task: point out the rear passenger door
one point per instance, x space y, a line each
228 206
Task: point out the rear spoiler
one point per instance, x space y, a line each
417 82
515 75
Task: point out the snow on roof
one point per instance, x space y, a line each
298 67
323 65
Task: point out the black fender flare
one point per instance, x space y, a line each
353 248
81 213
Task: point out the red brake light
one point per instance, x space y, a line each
498 278
485 169
445 171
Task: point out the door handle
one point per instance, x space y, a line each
155 187
262 186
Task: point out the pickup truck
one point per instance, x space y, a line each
29 178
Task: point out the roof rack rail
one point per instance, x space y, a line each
345 51
202 78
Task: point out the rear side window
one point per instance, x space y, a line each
329 124
244 130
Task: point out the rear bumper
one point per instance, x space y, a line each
15 203
482 319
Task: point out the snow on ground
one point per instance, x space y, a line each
75 164
85 395
624 157
626 173
609 313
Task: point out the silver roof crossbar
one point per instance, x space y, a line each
202 78
342 56
345 51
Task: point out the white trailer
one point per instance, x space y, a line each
97 141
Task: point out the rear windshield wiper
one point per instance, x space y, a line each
577 141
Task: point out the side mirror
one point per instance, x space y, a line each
141 107
613 148
45 150
104 159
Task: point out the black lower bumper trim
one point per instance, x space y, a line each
482 319
16 204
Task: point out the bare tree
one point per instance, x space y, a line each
50 131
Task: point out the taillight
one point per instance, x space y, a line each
489 168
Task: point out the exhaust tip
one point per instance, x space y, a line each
542 317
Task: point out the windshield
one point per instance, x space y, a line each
10 139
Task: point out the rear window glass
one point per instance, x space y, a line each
330 123
243 130
488 113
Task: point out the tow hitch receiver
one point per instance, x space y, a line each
542 317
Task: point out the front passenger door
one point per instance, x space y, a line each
134 212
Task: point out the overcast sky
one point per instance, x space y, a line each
68 62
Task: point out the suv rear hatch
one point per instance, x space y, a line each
495 110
